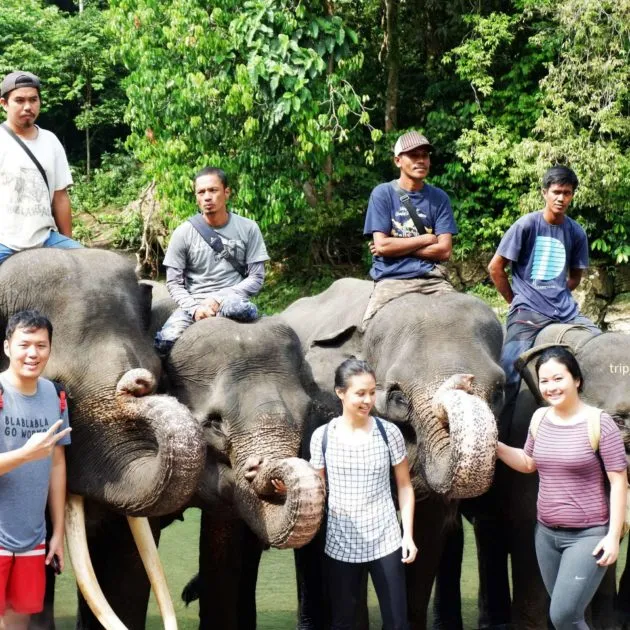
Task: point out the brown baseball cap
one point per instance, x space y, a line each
19 79
409 141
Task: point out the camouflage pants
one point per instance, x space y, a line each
435 282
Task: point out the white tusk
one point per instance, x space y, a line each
142 534
82 565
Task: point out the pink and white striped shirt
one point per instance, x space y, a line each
571 492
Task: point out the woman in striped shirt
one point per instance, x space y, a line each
579 523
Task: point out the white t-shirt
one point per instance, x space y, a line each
361 524
25 205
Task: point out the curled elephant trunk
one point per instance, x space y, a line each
86 578
461 446
282 521
146 450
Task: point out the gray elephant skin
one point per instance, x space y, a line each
505 518
414 343
250 388
133 452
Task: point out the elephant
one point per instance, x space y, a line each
134 453
249 387
505 518
415 343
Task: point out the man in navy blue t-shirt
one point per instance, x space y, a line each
406 259
548 252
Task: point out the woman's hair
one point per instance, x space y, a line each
564 356
348 369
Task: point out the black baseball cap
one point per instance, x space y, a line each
18 79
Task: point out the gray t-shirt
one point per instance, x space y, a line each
205 272
24 490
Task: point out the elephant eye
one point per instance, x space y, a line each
212 420
396 397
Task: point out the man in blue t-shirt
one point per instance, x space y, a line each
548 252
32 469
412 227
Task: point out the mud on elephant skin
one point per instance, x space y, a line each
415 344
505 521
133 452
251 390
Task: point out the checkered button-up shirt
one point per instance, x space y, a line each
361 525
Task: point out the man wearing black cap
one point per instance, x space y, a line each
34 174
412 226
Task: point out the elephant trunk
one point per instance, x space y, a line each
282 520
460 445
146 451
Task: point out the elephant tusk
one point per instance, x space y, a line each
142 534
82 565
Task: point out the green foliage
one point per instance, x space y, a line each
261 88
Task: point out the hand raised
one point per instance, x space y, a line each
40 445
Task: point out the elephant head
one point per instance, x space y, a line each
248 385
415 344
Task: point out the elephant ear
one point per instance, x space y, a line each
334 337
525 367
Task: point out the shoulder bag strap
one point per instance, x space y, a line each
537 418
214 240
324 445
28 152
594 423
406 201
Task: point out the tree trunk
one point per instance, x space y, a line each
393 65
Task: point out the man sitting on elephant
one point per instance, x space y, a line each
214 262
412 226
548 252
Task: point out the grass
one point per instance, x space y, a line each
276 594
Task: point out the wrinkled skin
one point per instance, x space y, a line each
414 344
505 518
249 387
133 452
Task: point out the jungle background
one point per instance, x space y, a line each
300 101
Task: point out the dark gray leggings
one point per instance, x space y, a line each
570 571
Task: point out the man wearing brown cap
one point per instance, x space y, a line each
412 226
34 174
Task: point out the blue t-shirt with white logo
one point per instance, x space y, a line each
541 255
387 214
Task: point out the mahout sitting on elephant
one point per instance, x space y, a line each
504 519
134 453
249 387
414 343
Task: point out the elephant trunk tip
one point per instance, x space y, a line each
137 383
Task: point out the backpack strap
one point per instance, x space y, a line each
383 433
537 418
594 425
61 393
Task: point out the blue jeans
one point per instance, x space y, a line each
54 240
232 307
570 571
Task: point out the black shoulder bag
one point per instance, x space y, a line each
409 207
214 240
28 152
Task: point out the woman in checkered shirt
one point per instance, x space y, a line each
354 454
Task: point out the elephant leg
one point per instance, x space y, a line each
45 620
623 596
119 571
530 605
313 603
603 614
229 556
429 534
492 561
447 599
